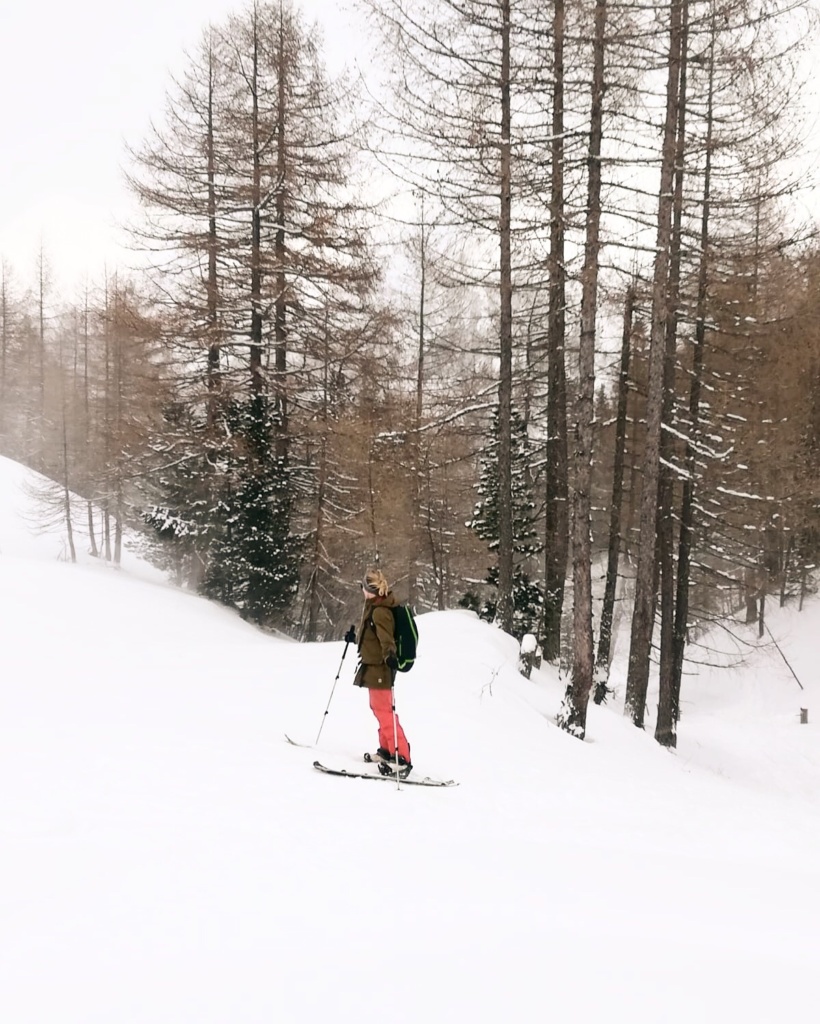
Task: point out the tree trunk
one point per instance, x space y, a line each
416 533
107 439
750 592
687 515
212 290
643 614
106 530
119 459
69 526
784 572
41 330
505 524
118 525
92 533
4 346
280 252
667 712
321 490
256 224
556 498
574 714
761 614
613 556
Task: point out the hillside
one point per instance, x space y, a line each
168 858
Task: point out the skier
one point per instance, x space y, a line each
377 670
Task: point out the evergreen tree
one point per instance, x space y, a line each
184 522
254 563
528 597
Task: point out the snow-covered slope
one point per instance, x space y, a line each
167 858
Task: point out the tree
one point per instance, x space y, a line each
527 597
644 610
7 331
461 67
725 146
254 564
557 493
602 660
251 177
574 711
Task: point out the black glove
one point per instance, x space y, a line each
392 663
350 636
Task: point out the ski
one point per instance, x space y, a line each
295 743
420 781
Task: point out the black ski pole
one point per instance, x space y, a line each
395 731
336 680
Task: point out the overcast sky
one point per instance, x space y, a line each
78 80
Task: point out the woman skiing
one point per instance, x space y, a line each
377 670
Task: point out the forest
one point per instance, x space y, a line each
526 313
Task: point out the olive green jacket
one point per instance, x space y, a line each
376 644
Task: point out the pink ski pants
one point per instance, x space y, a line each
381 704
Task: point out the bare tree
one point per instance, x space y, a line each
574 711
644 610
557 495
602 661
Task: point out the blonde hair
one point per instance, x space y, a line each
376 583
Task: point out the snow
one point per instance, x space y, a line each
529 644
168 858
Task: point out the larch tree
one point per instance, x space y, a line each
644 610
572 716
556 470
251 178
462 69
615 526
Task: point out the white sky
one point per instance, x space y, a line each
79 80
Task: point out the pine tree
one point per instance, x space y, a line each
528 597
254 564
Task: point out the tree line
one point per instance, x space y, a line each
526 315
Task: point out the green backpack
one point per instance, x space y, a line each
406 635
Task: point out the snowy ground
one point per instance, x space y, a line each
167 858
